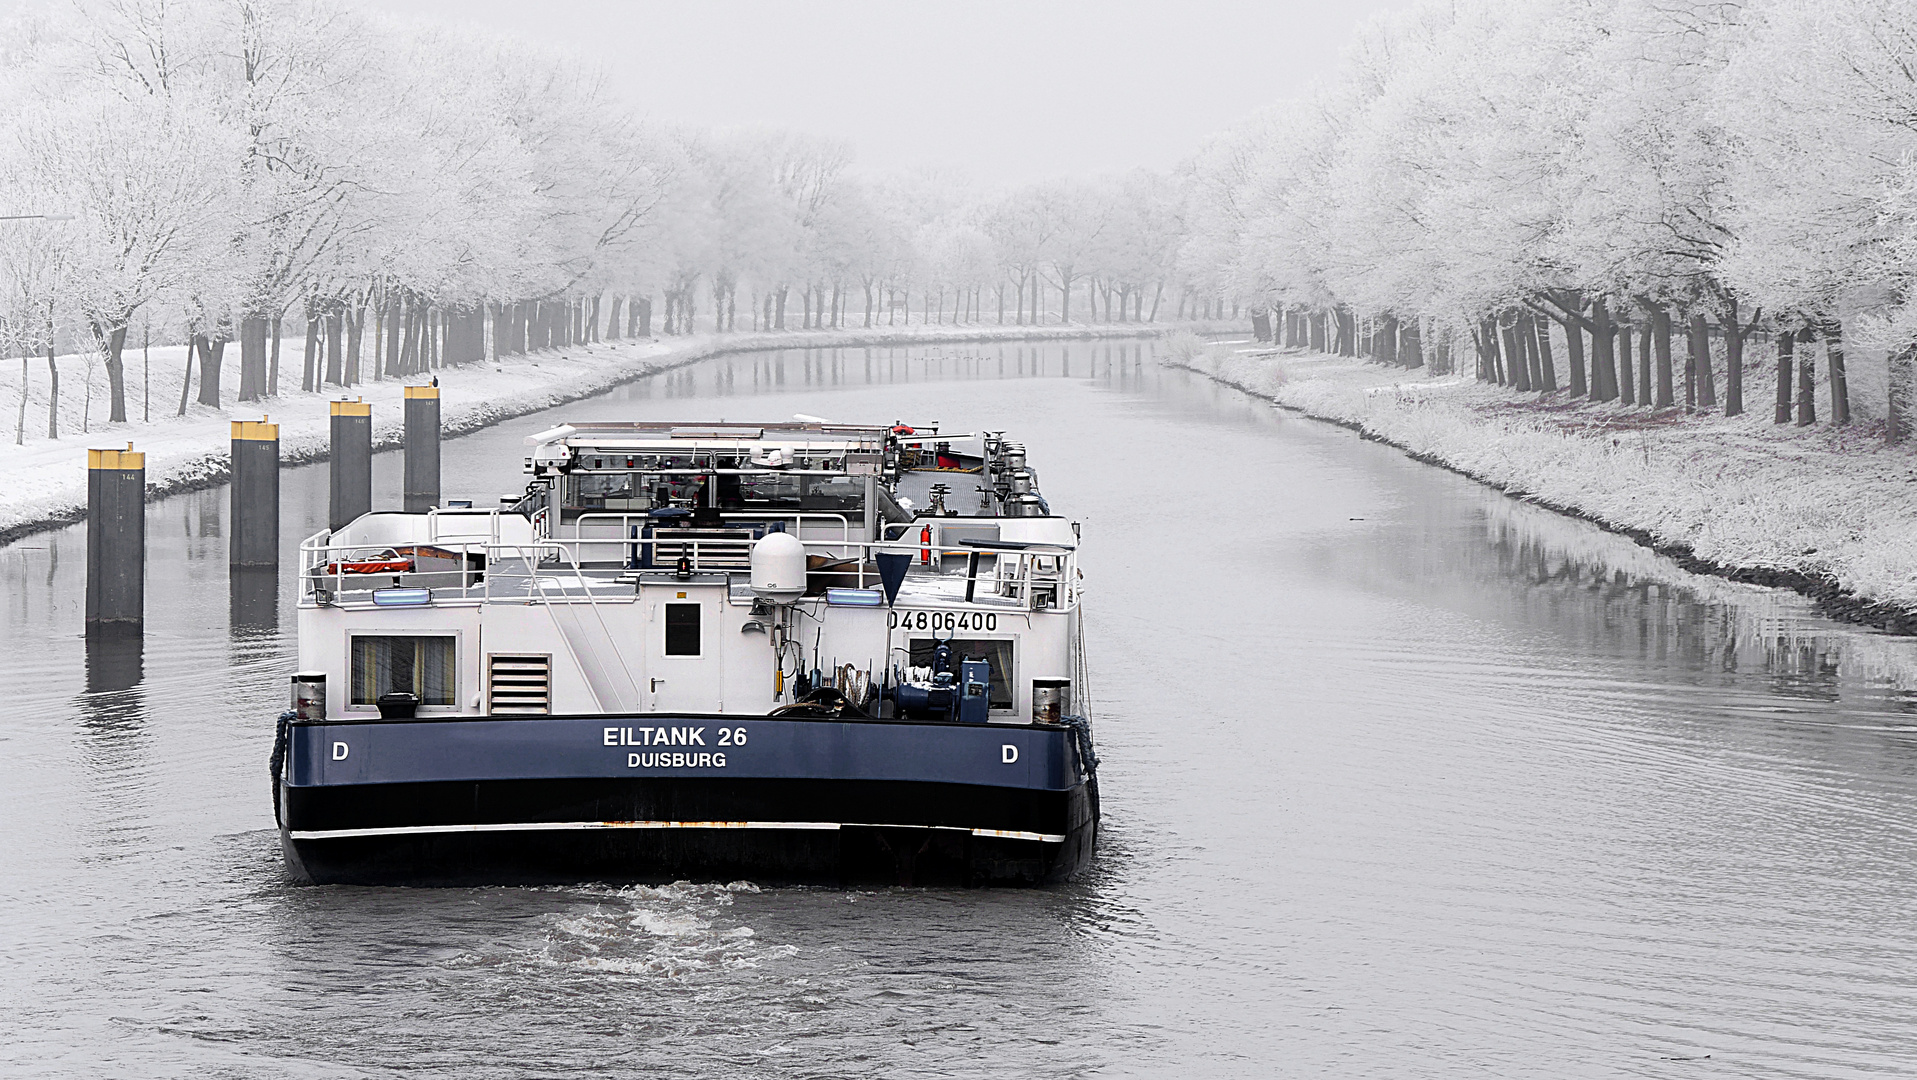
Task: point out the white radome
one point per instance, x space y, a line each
778 567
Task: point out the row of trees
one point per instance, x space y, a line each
408 194
1653 187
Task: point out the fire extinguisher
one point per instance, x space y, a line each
925 545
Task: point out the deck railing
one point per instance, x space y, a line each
1032 577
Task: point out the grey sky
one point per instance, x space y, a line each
1007 91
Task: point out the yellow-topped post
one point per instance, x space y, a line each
352 462
422 448
253 537
116 542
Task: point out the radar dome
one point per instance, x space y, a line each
778 567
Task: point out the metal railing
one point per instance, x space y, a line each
550 571
627 528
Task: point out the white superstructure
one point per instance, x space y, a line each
708 568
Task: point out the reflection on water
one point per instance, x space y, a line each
115 666
253 602
1403 778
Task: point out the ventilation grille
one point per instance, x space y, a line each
519 682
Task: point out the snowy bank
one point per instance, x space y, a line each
1827 511
43 480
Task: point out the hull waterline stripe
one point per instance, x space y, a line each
552 826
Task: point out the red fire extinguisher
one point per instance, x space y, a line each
925 545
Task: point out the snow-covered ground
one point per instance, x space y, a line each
1809 508
43 480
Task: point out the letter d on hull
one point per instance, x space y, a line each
339 751
1008 753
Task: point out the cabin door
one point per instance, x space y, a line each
685 667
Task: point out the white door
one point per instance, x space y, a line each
685 670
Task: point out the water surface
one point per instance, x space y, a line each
1402 778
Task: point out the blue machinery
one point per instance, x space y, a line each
965 697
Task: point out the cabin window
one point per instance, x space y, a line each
682 629
411 665
618 491
998 653
793 491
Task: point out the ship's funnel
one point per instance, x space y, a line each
892 568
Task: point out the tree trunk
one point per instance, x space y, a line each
186 380
393 333
1644 366
335 369
273 362
645 317
1604 365
1661 337
1627 381
1533 357
355 335
1545 361
1515 361
1901 391
115 340
212 351
1701 361
1574 353
1733 362
53 386
1806 383
252 358
1786 342
1839 384
409 342
309 380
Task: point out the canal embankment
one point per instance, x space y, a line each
1828 513
43 480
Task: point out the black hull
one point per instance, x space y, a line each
653 830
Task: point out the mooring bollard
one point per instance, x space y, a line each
422 448
352 468
116 542
254 534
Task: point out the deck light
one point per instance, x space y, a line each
854 598
402 597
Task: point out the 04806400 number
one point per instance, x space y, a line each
942 620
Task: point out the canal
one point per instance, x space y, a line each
1401 778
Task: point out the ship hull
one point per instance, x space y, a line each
462 801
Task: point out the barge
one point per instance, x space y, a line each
798 652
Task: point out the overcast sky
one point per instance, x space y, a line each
1008 90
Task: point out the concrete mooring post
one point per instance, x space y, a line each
254 532
422 448
116 542
352 466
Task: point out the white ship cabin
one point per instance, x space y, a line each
711 568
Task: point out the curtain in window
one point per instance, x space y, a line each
411 665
